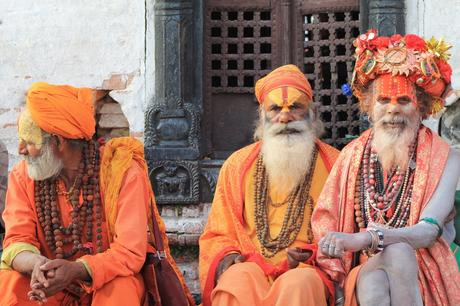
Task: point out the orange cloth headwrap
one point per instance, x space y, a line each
63 110
287 75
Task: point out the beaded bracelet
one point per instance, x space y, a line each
434 222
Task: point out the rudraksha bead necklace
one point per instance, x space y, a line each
86 184
386 204
298 200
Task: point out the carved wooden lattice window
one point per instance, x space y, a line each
240 47
328 63
238 51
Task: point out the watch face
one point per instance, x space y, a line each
450 125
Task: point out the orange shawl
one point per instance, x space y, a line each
225 231
439 279
117 157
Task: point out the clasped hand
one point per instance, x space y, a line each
294 257
51 276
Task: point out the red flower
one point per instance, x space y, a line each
415 42
445 69
381 42
395 38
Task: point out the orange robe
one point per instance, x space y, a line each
227 230
439 277
115 271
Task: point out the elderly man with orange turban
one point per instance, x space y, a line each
76 214
257 247
385 213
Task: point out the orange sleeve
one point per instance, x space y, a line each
325 218
19 215
126 253
219 237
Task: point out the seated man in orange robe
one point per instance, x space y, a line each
76 215
257 247
391 191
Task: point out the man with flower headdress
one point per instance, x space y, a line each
76 214
257 247
384 217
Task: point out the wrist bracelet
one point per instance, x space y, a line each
376 241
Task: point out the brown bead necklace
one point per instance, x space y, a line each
86 184
298 200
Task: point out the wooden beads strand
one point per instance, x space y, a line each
298 200
86 184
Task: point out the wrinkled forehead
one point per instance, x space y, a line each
28 130
394 86
285 96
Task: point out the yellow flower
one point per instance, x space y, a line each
438 48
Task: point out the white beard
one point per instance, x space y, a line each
393 146
44 166
286 156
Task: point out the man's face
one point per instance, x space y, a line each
286 104
394 105
37 149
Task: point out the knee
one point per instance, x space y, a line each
373 281
300 278
243 270
400 257
373 288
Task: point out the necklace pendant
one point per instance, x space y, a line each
412 164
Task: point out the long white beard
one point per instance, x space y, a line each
44 166
393 146
287 156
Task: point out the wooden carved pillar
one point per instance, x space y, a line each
387 16
173 117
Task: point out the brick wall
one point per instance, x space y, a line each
184 225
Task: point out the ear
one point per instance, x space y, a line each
60 143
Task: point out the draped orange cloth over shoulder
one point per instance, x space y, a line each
284 76
227 231
438 277
62 109
128 203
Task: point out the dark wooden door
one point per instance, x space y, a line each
244 40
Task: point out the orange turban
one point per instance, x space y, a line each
284 76
63 110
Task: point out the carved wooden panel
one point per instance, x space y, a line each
327 60
238 50
246 40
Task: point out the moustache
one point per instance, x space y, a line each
288 129
393 120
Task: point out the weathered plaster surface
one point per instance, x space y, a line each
98 44
439 19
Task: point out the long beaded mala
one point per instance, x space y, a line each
375 202
86 184
298 200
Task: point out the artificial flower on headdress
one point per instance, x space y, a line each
424 63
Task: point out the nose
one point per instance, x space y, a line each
393 108
285 117
22 148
